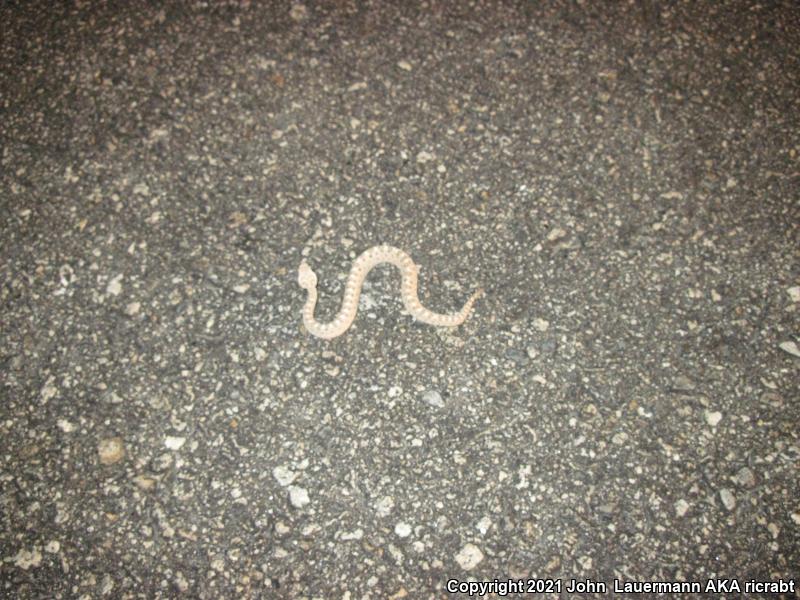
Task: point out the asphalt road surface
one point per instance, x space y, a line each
622 407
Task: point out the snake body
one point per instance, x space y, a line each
365 262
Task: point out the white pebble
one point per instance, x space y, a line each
25 559
484 524
794 293
65 426
352 535
298 497
541 324
713 417
433 398
469 557
681 506
728 499
403 530
174 443
298 12
114 286
284 475
790 347
384 506
111 450
424 157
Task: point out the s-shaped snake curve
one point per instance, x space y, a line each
365 262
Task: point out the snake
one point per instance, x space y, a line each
362 265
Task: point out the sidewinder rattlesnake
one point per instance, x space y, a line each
365 262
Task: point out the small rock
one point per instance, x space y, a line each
484 524
242 288
53 547
620 438
114 286
298 12
144 483
541 324
728 499
111 450
469 557
532 352
405 65
713 417
298 497
352 535
25 559
174 442
402 530
181 582
681 507
384 506
556 234
424 157
284 475
790 347
794 293
774 530
433 398
133 309
745 477
49 390
65 426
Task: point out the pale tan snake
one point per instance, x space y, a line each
358 272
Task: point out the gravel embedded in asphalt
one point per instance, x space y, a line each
621 178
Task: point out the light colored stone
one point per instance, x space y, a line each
114 286
384 506
352 535
541 324
298 12
728 499
469 557
298 497
790 347
433 398
174 442
25 559
402 530
111 450
713 417
284 475
65 426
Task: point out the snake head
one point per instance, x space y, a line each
306 278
